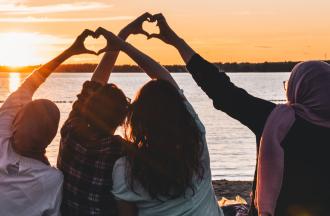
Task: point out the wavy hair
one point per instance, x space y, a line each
166 154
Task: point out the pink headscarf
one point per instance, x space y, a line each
34 128
308 96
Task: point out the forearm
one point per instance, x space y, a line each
105 67
36 78
46 69
153 69
184 49
215 84
227 97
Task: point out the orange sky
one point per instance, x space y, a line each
34 31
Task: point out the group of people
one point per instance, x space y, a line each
161 165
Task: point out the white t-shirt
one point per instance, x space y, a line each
203 202
27 187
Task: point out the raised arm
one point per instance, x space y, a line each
25 92
167 35
105 67
236 102
40 74
153 69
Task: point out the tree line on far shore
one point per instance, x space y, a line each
227 67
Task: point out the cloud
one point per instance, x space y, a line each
58 20
19 8
32 38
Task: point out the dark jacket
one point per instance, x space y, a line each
305 181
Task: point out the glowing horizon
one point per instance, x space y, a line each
33 32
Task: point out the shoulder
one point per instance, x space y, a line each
121 188
53 177
192 112
119 167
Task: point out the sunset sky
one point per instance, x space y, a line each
34 31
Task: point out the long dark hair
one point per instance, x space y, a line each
166 142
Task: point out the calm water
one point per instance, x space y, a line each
231 145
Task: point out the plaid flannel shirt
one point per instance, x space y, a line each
87 166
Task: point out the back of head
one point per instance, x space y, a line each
34 127
105 109
166 137
309 91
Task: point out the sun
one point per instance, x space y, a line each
18 49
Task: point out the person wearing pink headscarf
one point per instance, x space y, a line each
28 184
308 100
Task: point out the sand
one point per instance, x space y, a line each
230 189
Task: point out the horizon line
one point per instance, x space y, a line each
243 62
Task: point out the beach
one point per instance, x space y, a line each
230 189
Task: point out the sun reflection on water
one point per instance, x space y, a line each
14 81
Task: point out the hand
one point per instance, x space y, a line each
78 47
136 27
114 43
166 34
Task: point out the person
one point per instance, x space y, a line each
304 189
166 170
88 146
234 101
292 177
28 184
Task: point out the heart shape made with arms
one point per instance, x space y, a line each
90 42
94 43
150 27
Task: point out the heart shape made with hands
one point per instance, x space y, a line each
150 27
95 43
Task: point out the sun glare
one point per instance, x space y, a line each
18 49
14 81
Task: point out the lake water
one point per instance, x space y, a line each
231 145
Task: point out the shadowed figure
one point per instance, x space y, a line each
89 147
28 184
38 121
167 167
283 170
303 140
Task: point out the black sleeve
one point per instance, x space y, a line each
234 101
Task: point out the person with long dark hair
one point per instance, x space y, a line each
294 137
167 167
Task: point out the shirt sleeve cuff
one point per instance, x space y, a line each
194 62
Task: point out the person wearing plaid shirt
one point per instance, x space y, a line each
87 152
89 148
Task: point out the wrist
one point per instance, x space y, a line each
68 53
177 41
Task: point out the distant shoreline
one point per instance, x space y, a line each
265 67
